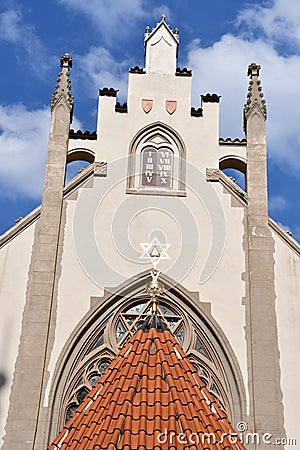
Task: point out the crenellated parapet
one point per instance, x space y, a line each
62 93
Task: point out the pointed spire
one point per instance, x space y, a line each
62 91
255 95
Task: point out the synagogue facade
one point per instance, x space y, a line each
75 311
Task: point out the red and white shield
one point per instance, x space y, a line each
171 106
147 105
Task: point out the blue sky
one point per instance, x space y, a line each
218 39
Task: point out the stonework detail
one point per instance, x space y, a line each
63 87
255 100
261 329
100 169
212 174
26 431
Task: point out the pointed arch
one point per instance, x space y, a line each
217 365
157 139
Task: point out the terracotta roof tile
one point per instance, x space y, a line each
150 388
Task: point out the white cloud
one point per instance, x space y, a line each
99 69
277 203
10 26
23 149
222 68
279 21
23 146
115 19
111 17
14 29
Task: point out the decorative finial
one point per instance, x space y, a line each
62 91
163 17
255 95
253 70
154 251
154 288
66 61
147 30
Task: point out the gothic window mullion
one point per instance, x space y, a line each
177 326
121 330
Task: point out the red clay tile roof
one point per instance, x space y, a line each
150 397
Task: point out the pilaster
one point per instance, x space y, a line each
24 425
266 407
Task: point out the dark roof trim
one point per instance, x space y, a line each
121 108
196 112
211 98
137 69
183 72
85 135
229 141
108 92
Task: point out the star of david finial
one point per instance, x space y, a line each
154 251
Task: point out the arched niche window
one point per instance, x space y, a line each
156 162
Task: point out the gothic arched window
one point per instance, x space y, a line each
157 162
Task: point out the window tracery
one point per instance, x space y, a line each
129 320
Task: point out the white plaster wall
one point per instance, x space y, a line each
79 281
74 291
116 131
287 285
139 215
14 266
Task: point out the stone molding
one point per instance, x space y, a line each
100 169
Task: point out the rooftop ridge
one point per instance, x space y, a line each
153 321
